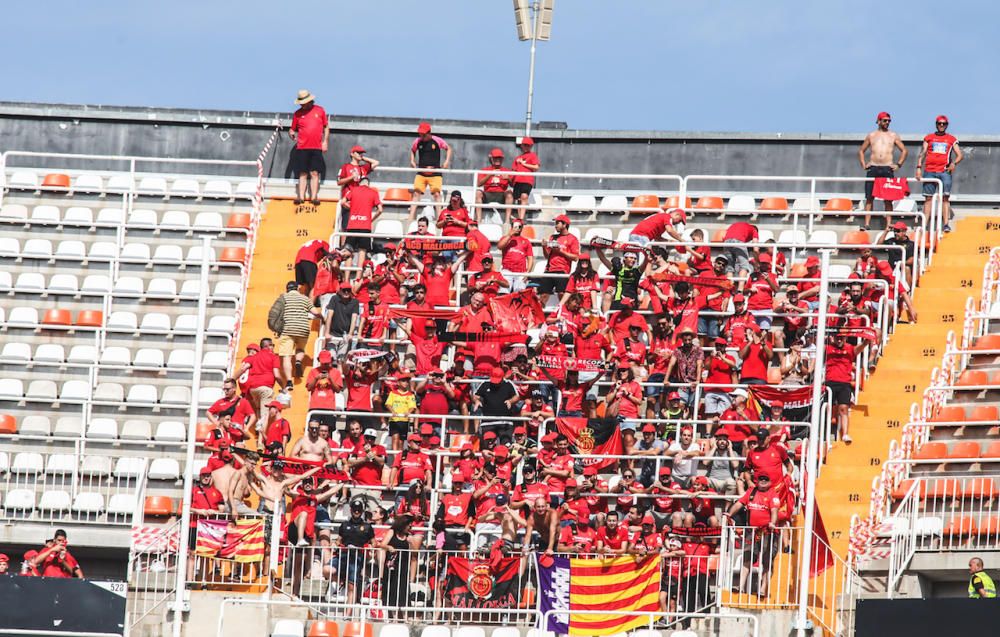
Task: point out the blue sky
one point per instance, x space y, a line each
776 66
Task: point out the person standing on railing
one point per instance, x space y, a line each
738 265
525 164
654 226
981 585
425 154
882 143
310 130
938 158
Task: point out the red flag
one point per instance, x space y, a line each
598 436
517 312
821 557
793 397
890 188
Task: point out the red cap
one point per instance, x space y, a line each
648 519
665 470
489 435
701 480
520 430
883 115
405 374
680 211
426 428
687 429
466 447
457 477
941 118
649 428
899 225
721 341
496 375
496 152
357 149
413 438
739 298
253 347
812 262
764 256
590 470
501 450
571 482
777 403
276 405
4 558
562 218
325 356
205 471
423 128
673 396
628 301
884 268
549 437
527 140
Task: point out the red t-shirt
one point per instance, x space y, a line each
278 431
428 353
560 463
720 369
761 295
453 229
939 149
741 231
496 182
527 177
311 250
367 473
262 366
362 200
205 499
584 286
438 286
632 352
737 325
759 505
515 254
614 540
359 392
769 462
754 365
413 466
238 408
389 290
557 262
578 534
355 172
653 226
51 566
592 345
310 124
627 408
456 508
662 350
619 324
476 243
839 364
490 282
376 320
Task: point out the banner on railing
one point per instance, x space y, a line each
597 436
482 584
152 539
793 397
242 541
571 363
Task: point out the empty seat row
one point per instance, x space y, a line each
987 414
74 391
126 467
163 287
68 250
165 252
24 316
941 488
151 185
159 323
965 449
85 503
152 358
144 218
73 216
35 283
99 284
98 428
978 377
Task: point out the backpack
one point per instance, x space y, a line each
276 315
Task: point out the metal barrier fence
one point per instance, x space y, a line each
152 571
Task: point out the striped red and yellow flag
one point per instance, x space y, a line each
612 585
211 535
250 547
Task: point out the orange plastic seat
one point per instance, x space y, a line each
158 506
322 628
397 194
239 220
773 203
233 255
992 451
931 451
902 488
719 236
57 316
965 525
355 629
674 201
989 525
528 232
90 318
987 341
943 489
985 413
7 424
527 597
457 440
710 203
798 271
645 201
56 180
839 204
203 431
949 413
856 237
973 377
979 489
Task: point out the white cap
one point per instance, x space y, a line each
371 432
739 391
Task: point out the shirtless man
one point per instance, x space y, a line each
882 143
233 481
543 519
273 486
311 446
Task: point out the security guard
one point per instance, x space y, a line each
980 584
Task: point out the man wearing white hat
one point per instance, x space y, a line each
310 130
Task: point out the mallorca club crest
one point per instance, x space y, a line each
585 440
481 583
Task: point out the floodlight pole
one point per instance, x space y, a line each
536 12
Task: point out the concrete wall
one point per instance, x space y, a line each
235 135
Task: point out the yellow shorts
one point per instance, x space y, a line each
421 182
288 345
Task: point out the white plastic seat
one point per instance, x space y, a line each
116 355
388 227
88 183
23 179
164 469
23 317
581 203
96 284
217 188
109 393
102 250
136 252
35 425
805 204
208 221
185 188
122 504
208 395
29 282
128 285
4 462
195 254
60 464
102 429
764 235
905 205
170 431
120 182
492 231
88 503
78 215
840 271
288 628
27 463
435 631
246 188
540 266
613 203
45 214
122 320
152 186
141 218
823 238
741 203
68 427
180 359
129 467
591 233
99 466
55 500
190 288
168 252
161 286
227 290
155 322
6 283
221 325
111 216
683 633
14 212
19 500
469 631
215 360
75 391
929 525
148 357
83 354
186 323
15 353
176 395
136 430
50 353
175 220
64 283
795 237
10 247
71 249
41 390
402 630
141 395
892 526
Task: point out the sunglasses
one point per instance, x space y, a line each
942 123
885 120
628 475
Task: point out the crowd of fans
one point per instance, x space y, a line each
51 560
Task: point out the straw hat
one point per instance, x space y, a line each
304 97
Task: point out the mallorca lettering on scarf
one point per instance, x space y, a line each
570 363
431 245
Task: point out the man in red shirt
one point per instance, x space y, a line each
238 409
366 461
613 538
756 354
937 151
739 255
263 368
488 281
411 464
561 250
206 501
762 504
577 537
361 207
839 379
525 164
517 255
768 459
310 130
307 263
352 172
655 225
277 431
494 184
55 559
621 322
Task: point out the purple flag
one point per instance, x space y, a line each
553 589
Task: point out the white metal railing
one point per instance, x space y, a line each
151 572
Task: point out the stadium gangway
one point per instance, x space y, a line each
712 623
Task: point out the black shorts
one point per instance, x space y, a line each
308 160
842 392
358 242
494 197
550 285
400 428
305 273
876 171
522 189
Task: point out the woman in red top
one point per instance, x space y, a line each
756 355
434 394
454 220
436 278
628 395
583 281
759 290
661 350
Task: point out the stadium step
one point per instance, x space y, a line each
883 406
